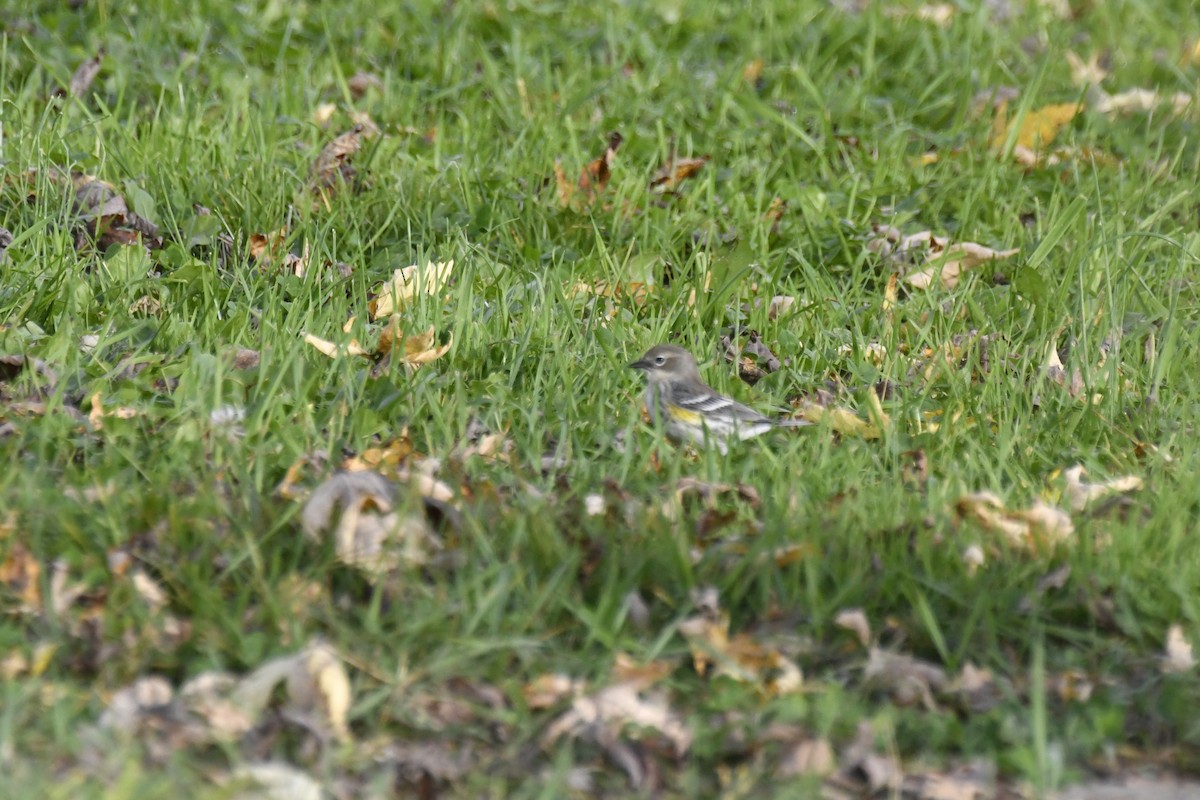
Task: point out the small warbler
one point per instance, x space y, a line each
692 411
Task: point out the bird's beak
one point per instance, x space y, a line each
641 363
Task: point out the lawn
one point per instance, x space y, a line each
328 475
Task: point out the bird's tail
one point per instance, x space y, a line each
793 423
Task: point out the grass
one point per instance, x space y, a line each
213 105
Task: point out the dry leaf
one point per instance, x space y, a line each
855 621
545 691
807 757
332 169
675 172
637 291
1037 128
323 113
907 679
1081 494
274 780
414 350
370 534
362 82
1032 528
97 415
1177 652
20 577
1135 101
740 657
839 419
406 284
779 305
752 72
610 711
326 347
1086 73
317 685
592 180
84 75
129 707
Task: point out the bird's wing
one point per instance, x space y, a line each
704 402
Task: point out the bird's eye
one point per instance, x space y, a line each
660 361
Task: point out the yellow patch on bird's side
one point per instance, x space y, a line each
683 415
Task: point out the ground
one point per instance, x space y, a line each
329 475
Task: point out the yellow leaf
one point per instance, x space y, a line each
406 284
353 348
842 420
1036 128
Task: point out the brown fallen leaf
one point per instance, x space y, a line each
334 350
104 213
412 350
84 75
362 82
752 72
549 690
332 169
674 172
98 414
906 679
740 657
20 577
592 180
944 261
637 292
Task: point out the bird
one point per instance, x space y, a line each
692 411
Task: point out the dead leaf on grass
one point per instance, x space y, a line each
614 711
1080 494
1138 101
405 284
413 350
20 577
818 409
317 687
674 172
946 261
808 756
906 679
83 77
855 621
332 169
1036 129
272 780
1033 529
362 82
370 534
740 657
549 690
104 213
98 414
592 180
1177 652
